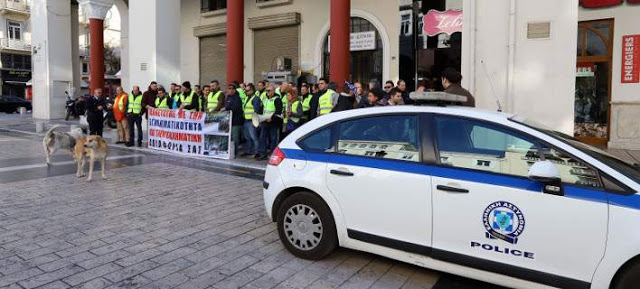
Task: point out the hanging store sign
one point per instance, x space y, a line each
631 59
585 69
438 22
362 41
359 41
16 75
604 3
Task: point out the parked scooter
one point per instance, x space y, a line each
109 118
74 107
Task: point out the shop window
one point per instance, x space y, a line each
593 76
212 5
366 61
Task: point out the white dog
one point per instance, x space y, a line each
54 140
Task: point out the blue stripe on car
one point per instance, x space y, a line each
630 201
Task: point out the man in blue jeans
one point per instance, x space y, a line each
253 105
272 105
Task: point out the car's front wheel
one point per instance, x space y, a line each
306 226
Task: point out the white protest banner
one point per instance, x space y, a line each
178 131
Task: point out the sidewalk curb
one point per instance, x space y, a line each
156 152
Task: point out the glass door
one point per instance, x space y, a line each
593 82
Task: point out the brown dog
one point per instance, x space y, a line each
92 147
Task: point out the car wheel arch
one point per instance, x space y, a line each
628 264
289 192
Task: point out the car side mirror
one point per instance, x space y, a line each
547 173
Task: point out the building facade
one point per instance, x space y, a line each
15 47
517 56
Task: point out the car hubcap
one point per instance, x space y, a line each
302 227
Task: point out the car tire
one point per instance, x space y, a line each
306 226
629 278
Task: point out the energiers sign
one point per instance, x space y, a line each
631 58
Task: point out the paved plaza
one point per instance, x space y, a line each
160 222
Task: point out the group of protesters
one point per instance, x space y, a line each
279 108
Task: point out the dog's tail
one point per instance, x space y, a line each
50 131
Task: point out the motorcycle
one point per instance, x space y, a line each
74 107
109 117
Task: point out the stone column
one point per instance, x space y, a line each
96 11
75 52
154 47
235 40
51 50
339 58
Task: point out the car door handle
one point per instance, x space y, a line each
341 173
452 189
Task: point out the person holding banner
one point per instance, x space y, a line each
134 115
251 107
174 95
149 96
269 130
162 100
188 98
215 98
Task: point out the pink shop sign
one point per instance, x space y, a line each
436 22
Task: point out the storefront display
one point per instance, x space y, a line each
593 77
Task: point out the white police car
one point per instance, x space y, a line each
479 194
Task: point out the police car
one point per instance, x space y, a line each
485 195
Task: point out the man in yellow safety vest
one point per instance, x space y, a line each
163 101
188 98
326 98
269 130
134 115
215 97
253 105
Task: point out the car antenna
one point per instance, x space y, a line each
484 68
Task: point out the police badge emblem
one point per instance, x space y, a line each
503 220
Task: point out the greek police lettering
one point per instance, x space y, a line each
503 220
502 250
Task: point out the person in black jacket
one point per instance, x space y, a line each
95 106
269 133
346 101
233 103
402 87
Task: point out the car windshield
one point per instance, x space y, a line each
631 170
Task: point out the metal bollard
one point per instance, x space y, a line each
22 110
39 126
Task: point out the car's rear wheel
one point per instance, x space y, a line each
629 278
306 226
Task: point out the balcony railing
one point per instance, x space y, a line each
19 6
7 43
